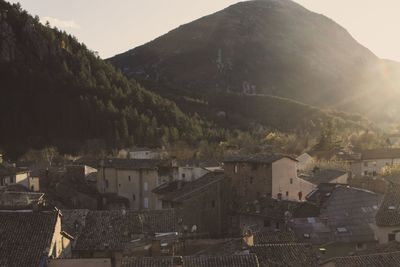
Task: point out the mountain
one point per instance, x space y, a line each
55 91
267 47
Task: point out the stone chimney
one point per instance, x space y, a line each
155 248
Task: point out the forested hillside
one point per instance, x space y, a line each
55 91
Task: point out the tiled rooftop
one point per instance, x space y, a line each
246 260
190 187
269 237
389 211
348 215
148 262
391 259
113 229
25 237
325 176
257 158
293 255
131 163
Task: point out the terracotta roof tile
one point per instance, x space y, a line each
293 255
246 260
25 236
114 229
389 211
391 259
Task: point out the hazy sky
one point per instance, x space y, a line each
114 26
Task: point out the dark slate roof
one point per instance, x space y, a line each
131 163
348 215
20 200
190 187
7 171
389 211
25 236
293 255
114 229
148 262
198 163
391 259
245 260
277 237
256 158
325 176
73 221
381 153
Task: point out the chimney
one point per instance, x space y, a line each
177 261
155 248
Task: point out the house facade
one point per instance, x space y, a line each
134 179
265 176
13 175
203 203
372 162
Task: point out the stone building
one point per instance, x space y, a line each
269 175
134 180
204 203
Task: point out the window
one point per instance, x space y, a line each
267 223
279 196
213 203
365 173
145 186
251 180
119 185
133 197
391 237
129 178
277 225
235 168
146 203
360 246
183 175
287 193
365 164
374 173
106 183
291 180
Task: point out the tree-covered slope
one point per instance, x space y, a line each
54 91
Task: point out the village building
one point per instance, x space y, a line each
10 200
204 203
346 223
388 217
145 153
134 180
266 214
190 170
10 175
270 175
31 238
304 162
371 162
